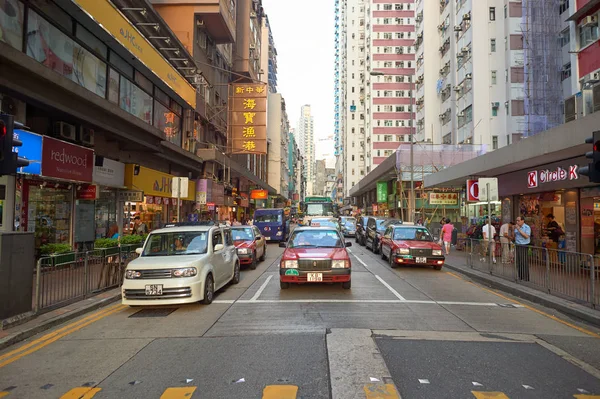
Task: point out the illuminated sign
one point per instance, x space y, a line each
535 177
248 120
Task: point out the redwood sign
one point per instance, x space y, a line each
67 161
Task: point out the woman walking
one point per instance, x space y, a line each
447 230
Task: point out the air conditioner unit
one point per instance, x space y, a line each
496 105
441 49
65 130
458 29
457 89
86 135
465 49
467 17
419 18
252 14
460 114
469 76
442 116
419 35
589 20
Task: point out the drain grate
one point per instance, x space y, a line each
154 312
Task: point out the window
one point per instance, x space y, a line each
517 107
494 110
492 13
564 6
493 45
113 86
468 114
517 74
565 37
353 157
566 71
516 42
505 11
494 142
588 34
494 77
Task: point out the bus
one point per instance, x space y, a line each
316 207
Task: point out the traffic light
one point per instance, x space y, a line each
592 171
9 160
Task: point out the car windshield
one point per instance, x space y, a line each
413 234
315 239
319 209
176 243
349 222
267 218
244 234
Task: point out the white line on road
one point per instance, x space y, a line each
261 289
224 301
380 301
389 287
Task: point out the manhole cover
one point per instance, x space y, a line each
154 312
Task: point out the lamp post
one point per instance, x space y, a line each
411 206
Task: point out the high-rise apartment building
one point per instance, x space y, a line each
377 38
340 108
278 128
268 54
306 136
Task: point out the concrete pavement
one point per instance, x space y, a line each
377 340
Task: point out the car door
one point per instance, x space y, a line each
260 242
371 226
218 258
385 241
230 255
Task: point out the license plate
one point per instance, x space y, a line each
154 289
267 238
421 260
314 277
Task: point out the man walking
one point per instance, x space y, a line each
523 240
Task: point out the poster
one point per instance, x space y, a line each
571 213
84 222
587 219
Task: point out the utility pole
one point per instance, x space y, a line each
412 159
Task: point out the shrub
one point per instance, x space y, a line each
132 239
55 249
106 243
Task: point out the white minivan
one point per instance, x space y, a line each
181 264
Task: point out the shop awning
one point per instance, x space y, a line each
563 142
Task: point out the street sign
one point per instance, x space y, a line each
131 196
472 190
488 189
180 187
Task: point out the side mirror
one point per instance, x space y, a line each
218 247
348 244
282 244
139 251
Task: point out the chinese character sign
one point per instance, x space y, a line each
248 118
443 198
382 191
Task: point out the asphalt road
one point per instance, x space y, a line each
409 332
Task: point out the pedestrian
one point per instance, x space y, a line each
488 231
447 230
441 239
554 229
507 236
139 227
522 241
235 222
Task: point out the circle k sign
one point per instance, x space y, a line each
472 190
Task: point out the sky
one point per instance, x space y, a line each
303 32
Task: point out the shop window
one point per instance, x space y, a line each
143 82
49 46
91 41
54 13
121 65
106 214
113 86
135 101
49 211
167 122
11 24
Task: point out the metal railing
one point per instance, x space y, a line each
63 279
571 275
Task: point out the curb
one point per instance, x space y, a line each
565 306
23 335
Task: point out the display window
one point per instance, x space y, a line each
49 211
545 214
106 214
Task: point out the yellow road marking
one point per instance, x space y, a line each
566 323
59 336
280 392
381 391
3 394
56 332
586 396
81 393
178 393
489 395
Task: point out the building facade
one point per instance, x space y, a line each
306 135
268 54
278 128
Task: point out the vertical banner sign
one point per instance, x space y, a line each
248 118
472 190
382 192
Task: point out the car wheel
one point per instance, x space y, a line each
382 254
375 248
264 254
253 264
438 267
347 285
393 264
284 286
236 274
209 290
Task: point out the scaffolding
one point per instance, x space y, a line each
543 102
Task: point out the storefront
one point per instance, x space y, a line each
109 177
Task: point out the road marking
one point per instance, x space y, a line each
382 301
566 323
56 332
586 396
280 392
261 289
3 394
45 342
489 395
224 301
389 287
178 393
361 261
81 393
381 391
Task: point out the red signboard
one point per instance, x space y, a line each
67 161
87 192
259 194
472 190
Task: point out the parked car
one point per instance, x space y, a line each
325 222
411 245
361 230
181 265
315 255
375 229
348 225
251 246
272 223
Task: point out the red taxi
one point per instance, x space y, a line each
411 245
315 255
251 246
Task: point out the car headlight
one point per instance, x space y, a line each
340 264
290 264
436 252
131 274
185 272
403 251
243 251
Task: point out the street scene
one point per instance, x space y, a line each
279 199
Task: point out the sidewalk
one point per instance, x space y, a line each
456 261
46 321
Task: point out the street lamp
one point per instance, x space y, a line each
412 160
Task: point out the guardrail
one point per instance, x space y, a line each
66 278
571 275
